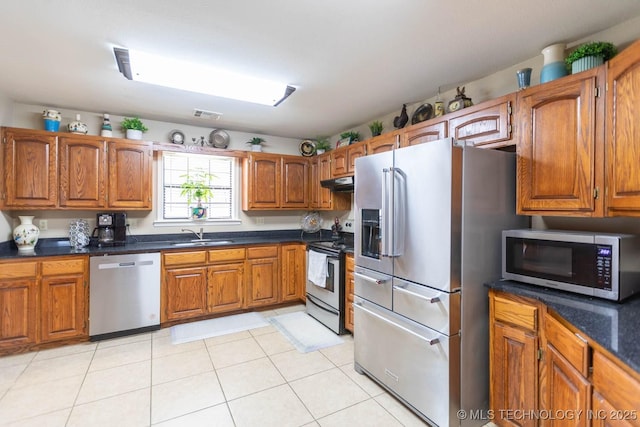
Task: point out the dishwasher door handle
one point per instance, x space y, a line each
112 265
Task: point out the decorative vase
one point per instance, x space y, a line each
106 130
554 66
79 235
51 120
78 127
524 78
198 212
585 63
320 151
256 147
26 234
134 134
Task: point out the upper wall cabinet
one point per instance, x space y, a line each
561 146
45 170
623 133
343 160
430 130
486 125
381 143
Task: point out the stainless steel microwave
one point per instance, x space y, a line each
602 265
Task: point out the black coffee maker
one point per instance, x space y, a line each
111 229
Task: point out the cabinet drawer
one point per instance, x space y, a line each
14 270
262 252
219 255
515 313
183 258
574 349
62 266
616 385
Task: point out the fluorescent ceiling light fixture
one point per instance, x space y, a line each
158 70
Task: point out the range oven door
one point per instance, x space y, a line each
324 303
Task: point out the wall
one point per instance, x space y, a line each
6 113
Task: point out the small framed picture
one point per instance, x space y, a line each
343 142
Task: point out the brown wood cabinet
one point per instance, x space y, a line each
83 172
323 198
343 159
275 181
184 285
623 133
18 304
430 130
487 124
349 281
63 298
560 148
262 276
293 271
513 358
130 174
74 171
616 395
225 280
381 143
30 160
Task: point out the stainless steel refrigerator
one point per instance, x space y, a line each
428 236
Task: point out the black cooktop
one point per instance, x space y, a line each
344 243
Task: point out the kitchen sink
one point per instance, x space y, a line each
203 242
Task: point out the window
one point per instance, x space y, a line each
173 170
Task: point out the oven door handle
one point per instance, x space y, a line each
369 279
432 341
311 300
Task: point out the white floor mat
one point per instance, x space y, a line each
214 327
305 332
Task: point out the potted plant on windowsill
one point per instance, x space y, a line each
256 143
590 55
322 145
197 186
134 128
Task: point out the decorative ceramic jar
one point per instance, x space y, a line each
134 134
26 234
106 130
79 235
256 147
78 127
51 120
554 66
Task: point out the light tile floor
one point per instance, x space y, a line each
251 378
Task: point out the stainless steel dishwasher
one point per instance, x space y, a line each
124 294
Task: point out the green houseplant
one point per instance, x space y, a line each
256 143
376 128
322 145
589 55
352 135
197 187
133 127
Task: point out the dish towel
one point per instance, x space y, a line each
317 269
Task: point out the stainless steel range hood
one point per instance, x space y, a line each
339 185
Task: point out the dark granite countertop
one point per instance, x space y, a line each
159 242
614 326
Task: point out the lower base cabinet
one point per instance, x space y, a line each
293 271
42 301
262 276
186 293
225 287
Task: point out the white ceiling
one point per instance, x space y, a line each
351 60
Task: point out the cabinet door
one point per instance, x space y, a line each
225 287
606 415
62 305
339 163
487 124
382 143
420 133
314 184
623 133
514 374
566 389
295 183
560 148
17 312
130 175
261 182
185 293
293 272
353 152
82 172
262 276
30 169
349 291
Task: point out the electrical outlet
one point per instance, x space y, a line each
260 220
132 223
349 225
43 224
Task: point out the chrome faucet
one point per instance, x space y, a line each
199 235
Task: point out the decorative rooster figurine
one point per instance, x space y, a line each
402 119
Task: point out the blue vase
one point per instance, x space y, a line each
553 71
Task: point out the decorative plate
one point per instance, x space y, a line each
176 136
219 139
311 222
307 148
424 112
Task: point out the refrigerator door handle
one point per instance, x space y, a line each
369 279
399 211
401 288
386 213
